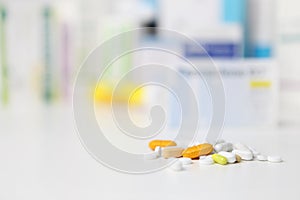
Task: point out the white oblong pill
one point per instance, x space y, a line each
245 155
274 159
157 150
186 161
242 147
230 156
261 157
206 161
150 156
177 166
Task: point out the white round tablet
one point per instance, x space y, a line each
262 157
202 157
218 147
206 161
177 166
186 161
274 159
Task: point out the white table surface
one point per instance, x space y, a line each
42 158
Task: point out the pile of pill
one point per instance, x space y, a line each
221 153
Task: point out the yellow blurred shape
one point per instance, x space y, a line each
127 93
260 84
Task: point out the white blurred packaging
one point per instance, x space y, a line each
180 15
288 48
251 92
203 21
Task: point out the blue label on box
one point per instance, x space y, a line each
215 50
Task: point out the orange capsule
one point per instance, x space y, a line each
198 150
161 143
